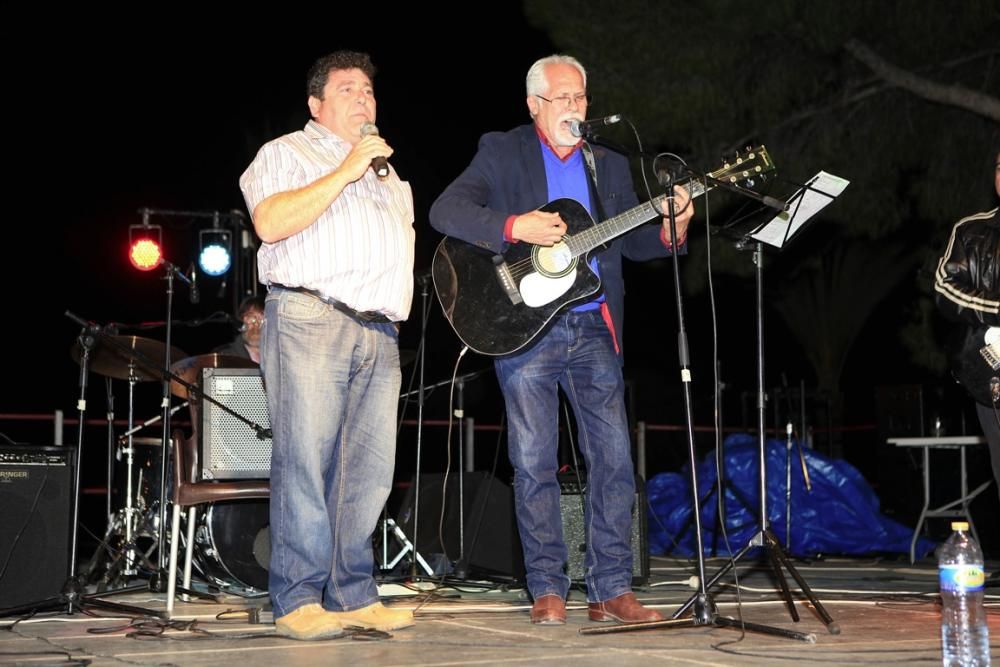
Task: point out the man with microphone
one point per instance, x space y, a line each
494 203
337 258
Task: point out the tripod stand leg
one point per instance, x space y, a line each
831 625
765 629
715 578
718 621
772 558
120 608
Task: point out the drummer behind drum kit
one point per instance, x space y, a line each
232 538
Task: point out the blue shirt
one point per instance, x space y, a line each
567 179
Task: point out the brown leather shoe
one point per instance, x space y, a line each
624 609
549 610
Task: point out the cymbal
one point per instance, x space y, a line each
190 369
106 359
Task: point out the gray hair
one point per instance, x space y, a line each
536 82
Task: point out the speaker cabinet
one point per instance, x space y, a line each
574 529
230 449
490 536
36 489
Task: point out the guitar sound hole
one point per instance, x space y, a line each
554 261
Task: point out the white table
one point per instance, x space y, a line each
958 507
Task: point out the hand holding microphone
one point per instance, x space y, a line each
379 164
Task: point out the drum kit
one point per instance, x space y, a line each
226 531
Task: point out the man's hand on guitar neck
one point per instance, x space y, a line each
538 228
683 212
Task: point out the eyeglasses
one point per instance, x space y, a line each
253 322
566 101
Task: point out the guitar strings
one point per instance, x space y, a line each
592 235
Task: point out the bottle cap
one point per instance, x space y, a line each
960 525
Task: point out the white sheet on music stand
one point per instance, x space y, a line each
776 232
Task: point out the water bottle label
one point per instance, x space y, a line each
962 578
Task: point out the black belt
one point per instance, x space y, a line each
367 316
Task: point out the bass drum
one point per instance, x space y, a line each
234 543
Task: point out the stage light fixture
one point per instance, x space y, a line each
145 246
214 254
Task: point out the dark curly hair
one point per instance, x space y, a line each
255 302
320 70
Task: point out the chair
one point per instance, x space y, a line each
189 492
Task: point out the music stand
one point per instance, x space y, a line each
778 231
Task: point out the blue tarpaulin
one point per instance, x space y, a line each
839 515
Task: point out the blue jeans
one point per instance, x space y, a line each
576 354
332 390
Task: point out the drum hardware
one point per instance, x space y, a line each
232 545
129 358
138 359
146 520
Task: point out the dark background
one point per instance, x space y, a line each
167 111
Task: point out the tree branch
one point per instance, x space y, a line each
954 95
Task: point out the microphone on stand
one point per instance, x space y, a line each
379 163
422 277
585 128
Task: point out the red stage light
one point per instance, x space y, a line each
144 247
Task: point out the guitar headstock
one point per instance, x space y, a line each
744 167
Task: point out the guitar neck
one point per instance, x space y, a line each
592 237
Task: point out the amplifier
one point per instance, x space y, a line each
36 493
574 533
231 449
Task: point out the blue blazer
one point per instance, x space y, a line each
507 177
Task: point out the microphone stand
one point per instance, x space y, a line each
424 282
705 611
158 582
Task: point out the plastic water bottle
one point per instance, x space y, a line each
965 637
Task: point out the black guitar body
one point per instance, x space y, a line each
480 309
486 297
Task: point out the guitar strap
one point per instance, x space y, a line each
588 159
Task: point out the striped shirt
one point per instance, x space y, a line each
360 250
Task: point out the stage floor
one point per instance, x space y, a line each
886 610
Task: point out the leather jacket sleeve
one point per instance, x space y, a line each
967 280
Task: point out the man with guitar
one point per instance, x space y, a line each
493 205
967 283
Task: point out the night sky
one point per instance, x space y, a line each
167 115
167 111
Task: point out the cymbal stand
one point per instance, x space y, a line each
125 523
109 385
129 551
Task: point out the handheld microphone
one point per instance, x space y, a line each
379 163
583 128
